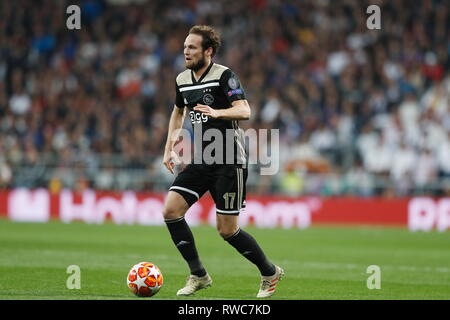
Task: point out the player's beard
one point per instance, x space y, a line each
200 64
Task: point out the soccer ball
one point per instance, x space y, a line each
144 279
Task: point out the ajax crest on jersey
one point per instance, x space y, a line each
208 99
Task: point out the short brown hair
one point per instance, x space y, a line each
210 37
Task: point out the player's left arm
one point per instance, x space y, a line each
239 110
234 92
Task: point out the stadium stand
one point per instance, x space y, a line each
360 112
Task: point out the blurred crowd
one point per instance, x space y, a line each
360 111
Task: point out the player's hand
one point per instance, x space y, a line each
210 112
170 159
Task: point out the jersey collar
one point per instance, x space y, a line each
203 75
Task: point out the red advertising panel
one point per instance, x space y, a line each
127 207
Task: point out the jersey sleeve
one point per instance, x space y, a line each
231 86
179 101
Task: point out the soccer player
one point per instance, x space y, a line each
215 99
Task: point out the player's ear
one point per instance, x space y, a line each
209 51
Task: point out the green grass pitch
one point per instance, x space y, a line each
320 262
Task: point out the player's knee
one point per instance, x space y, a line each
175 206
170 212
226 231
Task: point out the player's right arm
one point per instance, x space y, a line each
175 124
